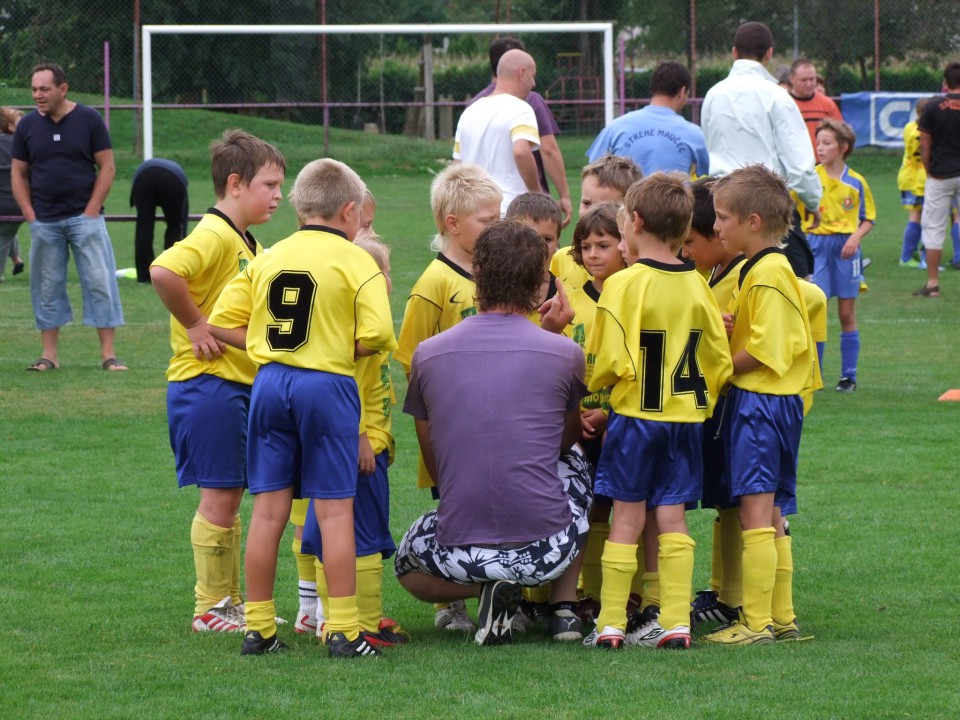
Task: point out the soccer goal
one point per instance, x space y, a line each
148 31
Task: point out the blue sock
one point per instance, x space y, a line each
955 235
820 348
911 239
849 354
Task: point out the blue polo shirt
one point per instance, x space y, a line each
61 158
656 138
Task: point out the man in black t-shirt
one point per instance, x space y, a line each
940 150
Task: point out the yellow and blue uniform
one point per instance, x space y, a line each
659 340
583 301
442 297
912 176
817 312
568 270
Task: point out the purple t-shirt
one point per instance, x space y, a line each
495 389
546 125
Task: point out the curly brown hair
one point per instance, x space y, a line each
509 261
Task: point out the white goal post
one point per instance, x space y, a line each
148 31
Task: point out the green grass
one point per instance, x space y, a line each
97 570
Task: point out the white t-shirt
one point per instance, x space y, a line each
485 136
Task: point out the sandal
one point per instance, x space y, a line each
42 365
113 365
928 291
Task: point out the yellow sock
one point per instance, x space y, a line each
676 579
237 551
619 564
323 596
651 589
262 617
782 607
370 591
213 560
731 549
591 571
716 561
759 573
636 586
342 616
539 594
306 564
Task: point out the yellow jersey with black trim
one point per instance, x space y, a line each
376 401
443 296
208 258
771 322
723 284
912 176
659 340
583 301
847 202
307 301
564 267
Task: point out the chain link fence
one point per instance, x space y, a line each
381 82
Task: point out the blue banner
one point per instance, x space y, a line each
878 119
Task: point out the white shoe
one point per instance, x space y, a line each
454 617
222 617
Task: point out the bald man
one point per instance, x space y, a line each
499 132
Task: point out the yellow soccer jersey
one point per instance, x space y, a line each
659 340
376 401
208 258
583 301
564 267
772 324
724 284
912 177
442 297
847 202
306 302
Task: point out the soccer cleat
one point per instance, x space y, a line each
339 647
588 609
610 638
499 601
784 633
454 617
255 644
389 634
911 263
707 608
739 634
305 625
525 617
651 634
565 626
846 385
222 617
638 618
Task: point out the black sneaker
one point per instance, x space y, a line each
846 385
639 618
499 601
564 625
707 608
340 647
255 644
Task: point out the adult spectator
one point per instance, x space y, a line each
747 118
657 137
496 402
62 171
548 157
499 132
9 245
814 106
940 151
162 183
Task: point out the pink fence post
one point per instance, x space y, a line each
621 47
106 83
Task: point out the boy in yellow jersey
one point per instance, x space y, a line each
305 311
464 199
372 505
774 364
848 214
717 604
603 181
660 342
910 181
208 394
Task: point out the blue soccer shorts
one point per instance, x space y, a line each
835 276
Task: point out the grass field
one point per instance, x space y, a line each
97 575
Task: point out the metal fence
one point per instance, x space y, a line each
358 81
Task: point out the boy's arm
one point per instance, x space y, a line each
744 362
426 449
231 336
926 146
174 293
852 244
